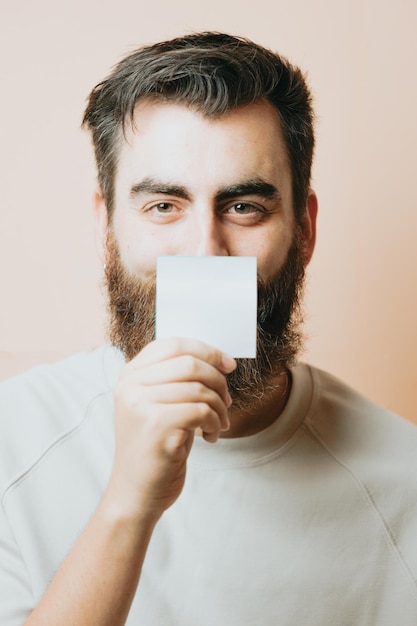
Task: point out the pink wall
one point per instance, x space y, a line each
361 57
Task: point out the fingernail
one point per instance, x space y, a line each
210 437
226 424
228 362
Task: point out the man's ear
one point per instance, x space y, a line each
102 225
309 226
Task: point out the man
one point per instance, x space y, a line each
162 482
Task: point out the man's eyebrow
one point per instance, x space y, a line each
252 187
152 185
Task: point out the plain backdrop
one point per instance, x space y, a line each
360 55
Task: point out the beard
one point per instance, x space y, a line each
131 306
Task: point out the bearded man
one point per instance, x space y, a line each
164 482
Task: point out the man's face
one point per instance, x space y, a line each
196 186
200 186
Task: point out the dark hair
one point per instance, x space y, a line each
212 73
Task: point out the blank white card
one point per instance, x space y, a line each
211 298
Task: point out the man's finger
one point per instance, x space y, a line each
164 349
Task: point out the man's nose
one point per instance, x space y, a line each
209 237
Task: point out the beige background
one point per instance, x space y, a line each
361 57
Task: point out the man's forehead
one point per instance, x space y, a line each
145 108
170 147
244 134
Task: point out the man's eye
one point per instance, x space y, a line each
243 208
163 207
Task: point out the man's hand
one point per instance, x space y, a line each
170 389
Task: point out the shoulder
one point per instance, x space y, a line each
67 382
355 429
366 458
42 404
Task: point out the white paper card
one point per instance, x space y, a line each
211 298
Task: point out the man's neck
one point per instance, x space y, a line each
263 413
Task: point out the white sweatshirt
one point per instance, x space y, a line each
311 522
